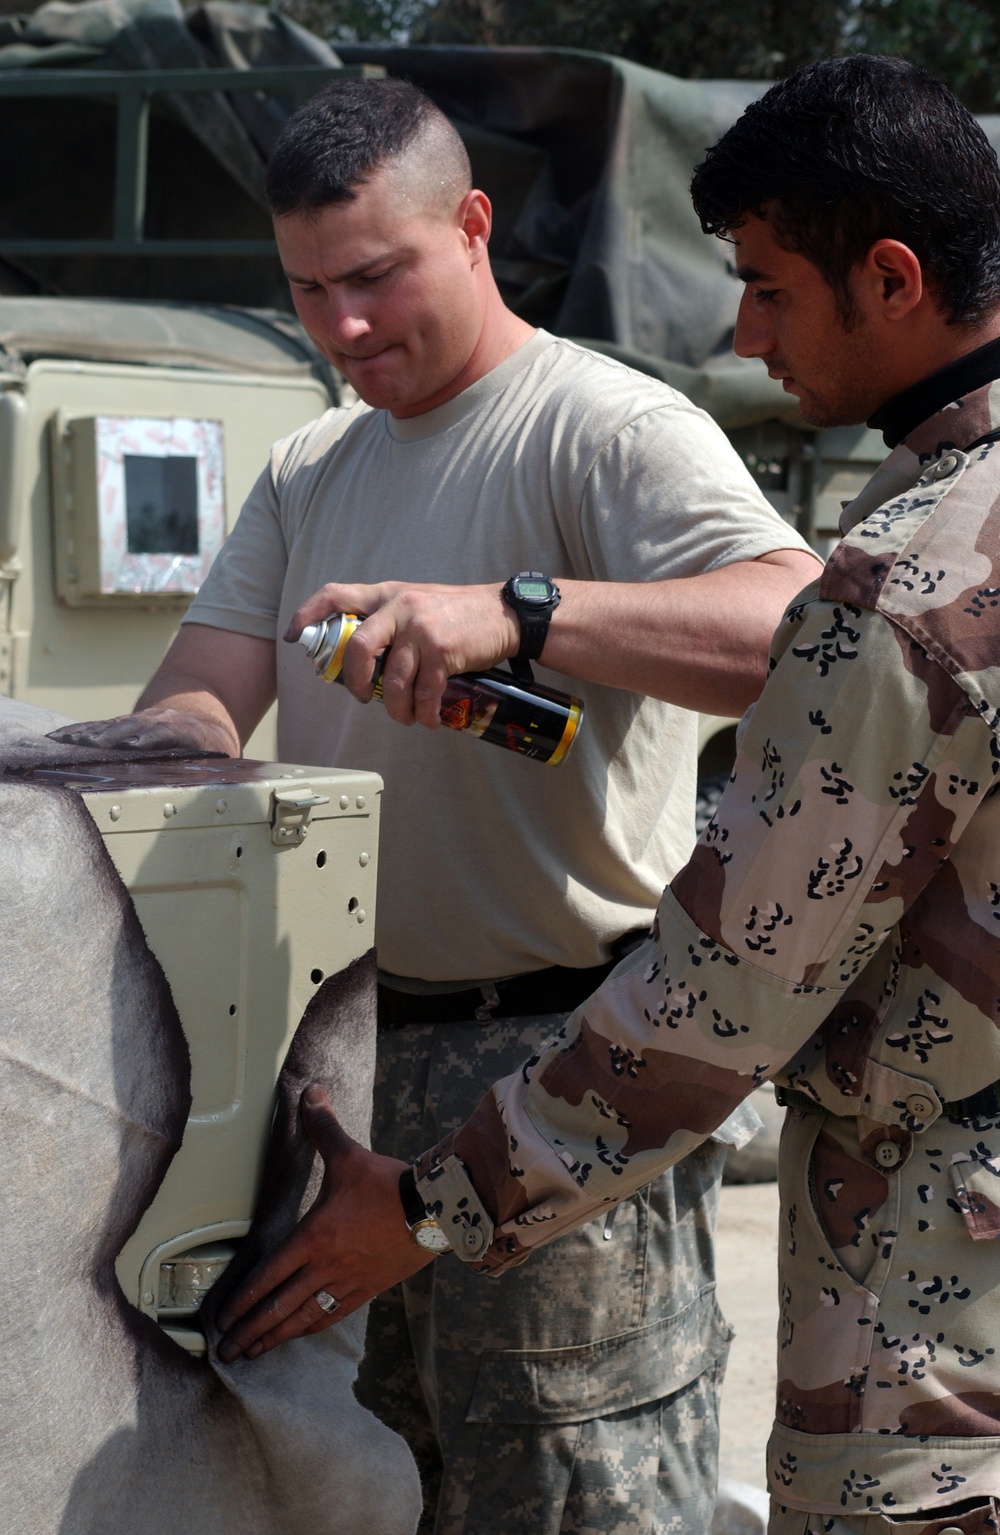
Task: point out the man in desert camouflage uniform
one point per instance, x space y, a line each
837 929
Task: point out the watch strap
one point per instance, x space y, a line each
534 628
414 1209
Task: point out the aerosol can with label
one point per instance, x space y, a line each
523 716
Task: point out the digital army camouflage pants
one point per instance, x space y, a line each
578 1394
975 1516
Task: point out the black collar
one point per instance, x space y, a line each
897 418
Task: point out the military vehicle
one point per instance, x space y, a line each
130 434
586 160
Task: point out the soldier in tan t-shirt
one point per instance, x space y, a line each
580 1392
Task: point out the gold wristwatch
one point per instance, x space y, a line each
423 1228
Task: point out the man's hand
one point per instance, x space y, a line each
434 632
353 1243
209 694
152 730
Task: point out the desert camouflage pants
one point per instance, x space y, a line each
973 1517
578 1394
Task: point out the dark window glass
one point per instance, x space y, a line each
161 504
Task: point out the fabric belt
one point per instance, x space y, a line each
557 989
982 1105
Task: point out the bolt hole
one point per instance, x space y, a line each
353 904
232 1009
239 852
320 859
316 976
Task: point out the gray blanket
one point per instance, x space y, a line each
107 1427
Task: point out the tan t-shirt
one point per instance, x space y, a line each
559 460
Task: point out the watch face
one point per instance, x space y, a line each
533 591
429 1236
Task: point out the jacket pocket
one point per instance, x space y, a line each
572 1385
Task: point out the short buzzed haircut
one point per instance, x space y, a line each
353 129
853 150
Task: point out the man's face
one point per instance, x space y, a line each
387 291
788 316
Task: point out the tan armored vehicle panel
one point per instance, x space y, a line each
253 881
130 435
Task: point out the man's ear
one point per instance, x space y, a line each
892 278
475 219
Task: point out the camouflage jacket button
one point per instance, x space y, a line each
919 1106
887 1154
472 1239
941 470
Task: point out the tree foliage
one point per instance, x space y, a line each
957 40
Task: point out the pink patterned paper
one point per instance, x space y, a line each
151 437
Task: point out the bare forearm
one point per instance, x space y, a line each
211 690
700 642
177 693
225 681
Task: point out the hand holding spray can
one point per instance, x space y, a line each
523 716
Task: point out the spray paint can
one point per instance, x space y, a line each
524 717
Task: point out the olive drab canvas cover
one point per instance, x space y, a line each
587 161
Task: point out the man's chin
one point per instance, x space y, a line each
821 413
380 393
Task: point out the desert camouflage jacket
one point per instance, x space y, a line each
837 930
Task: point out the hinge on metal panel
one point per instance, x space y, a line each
291 812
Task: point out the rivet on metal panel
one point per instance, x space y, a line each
360 802
220 807
364 859
115 812
344 802
147 1297
361 914
169 810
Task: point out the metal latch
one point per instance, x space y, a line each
290 817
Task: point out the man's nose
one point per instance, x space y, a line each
753 336
346 323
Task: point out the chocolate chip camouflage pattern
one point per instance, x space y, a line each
578 1394
838 930
973 1517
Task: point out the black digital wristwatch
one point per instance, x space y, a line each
534 599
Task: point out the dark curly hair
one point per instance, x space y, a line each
853 150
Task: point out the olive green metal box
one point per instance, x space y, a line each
253 882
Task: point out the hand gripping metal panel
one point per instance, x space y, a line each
253 882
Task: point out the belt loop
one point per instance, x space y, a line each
490 1002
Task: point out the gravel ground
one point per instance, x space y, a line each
747 1263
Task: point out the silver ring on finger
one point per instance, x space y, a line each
326 1302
